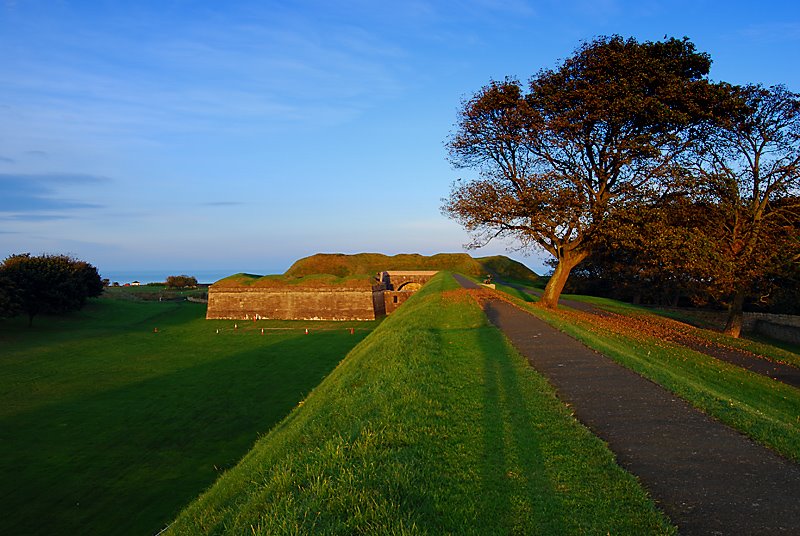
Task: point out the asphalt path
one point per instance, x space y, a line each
777 371
708 478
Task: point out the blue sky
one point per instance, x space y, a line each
242 135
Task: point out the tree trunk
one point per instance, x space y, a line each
552 291
733 326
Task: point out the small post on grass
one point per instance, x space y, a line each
306 331
352 331
262 331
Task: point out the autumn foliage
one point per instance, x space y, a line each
600 132
627 158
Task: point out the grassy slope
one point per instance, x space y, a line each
325 270
109 428
371 263
432 425
779 351
786 353
508 269
148 291
309 281
765 409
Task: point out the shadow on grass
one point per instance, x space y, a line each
127 459
99 316
514 470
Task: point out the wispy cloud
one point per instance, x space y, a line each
35 217
222 204
514 7
230 71
28 196
774 32
6 160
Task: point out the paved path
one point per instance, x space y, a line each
777 371
708 478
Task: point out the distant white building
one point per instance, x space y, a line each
135 284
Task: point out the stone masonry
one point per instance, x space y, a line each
295 302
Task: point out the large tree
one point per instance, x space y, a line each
181 281
9 304
48 283
659 255
751 168
602 131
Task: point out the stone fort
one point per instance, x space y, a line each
379 296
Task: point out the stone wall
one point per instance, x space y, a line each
781 332
379 302
394 299
304 303
240 303
785 320
414 279
781 327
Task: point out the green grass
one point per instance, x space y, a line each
509 269
432 425
152 292
516 292
312 281
762 408
792 349
107 427
370 263
774 350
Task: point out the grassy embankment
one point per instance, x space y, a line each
431 425
332 270
109 428
774 350
309 281
764 409
342 265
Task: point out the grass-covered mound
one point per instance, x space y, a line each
508 269
370 263
319 280
432 425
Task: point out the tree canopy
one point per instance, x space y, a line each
602 131
657 255
749 168
181 281
46 284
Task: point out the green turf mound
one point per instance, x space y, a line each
325 270
342 265
319 280
431 425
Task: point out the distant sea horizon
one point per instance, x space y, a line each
159 276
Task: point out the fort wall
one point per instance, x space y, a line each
391 289
394 299
240 303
